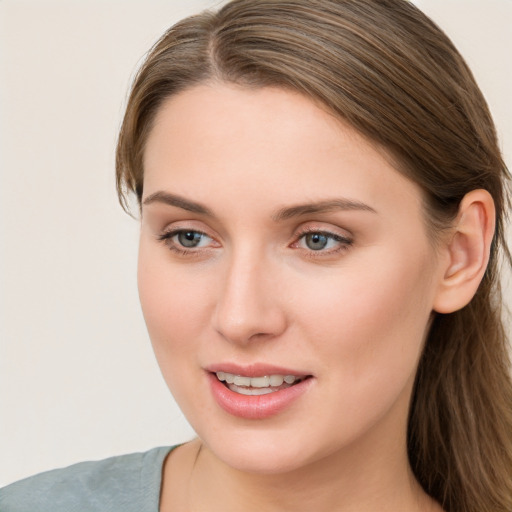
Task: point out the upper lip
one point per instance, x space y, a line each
254 369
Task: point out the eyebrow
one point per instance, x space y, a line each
321 207
286 213
179 202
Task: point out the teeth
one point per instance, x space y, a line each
242 381
250 391
276 380
259 383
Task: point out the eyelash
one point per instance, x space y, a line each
167 237
344 242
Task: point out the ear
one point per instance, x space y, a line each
467 252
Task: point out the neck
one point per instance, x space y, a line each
325 485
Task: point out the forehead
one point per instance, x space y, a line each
217 141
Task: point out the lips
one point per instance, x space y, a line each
256 391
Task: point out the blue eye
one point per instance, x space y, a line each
320 241
184 240
189 239
316 241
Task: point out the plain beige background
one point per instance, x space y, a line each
78 379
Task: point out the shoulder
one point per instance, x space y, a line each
127 482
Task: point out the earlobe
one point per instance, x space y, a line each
467 252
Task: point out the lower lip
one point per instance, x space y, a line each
256 407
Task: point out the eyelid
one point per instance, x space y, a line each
345 241
167 234
325 230
180 225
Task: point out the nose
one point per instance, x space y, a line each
248 306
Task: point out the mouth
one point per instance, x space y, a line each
257 391
256 386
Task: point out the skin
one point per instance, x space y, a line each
354 315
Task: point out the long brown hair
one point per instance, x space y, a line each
389 71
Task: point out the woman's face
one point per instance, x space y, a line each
277 242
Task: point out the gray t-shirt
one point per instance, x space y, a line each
127 483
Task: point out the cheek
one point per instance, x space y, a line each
175 305
174 308
369 321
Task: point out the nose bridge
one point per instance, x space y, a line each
247 305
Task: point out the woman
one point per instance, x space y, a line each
322 203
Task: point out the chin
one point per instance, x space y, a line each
261 449
258 456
